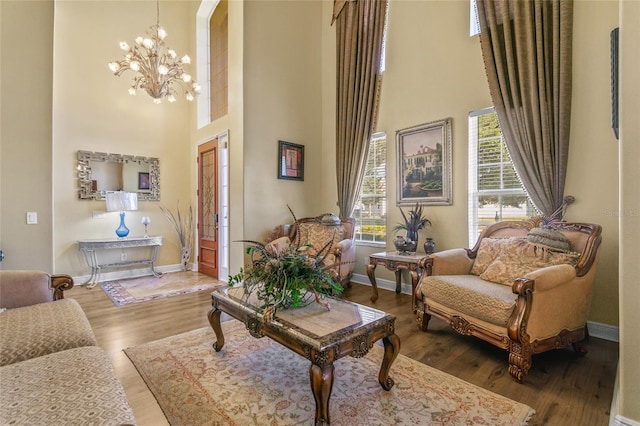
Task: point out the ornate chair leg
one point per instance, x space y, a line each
519 361
580 347
422 318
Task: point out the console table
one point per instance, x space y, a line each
90 247
395 262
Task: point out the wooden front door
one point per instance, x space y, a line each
208 215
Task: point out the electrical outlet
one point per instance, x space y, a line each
123 256
98 215
366 261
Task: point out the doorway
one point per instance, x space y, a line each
213 208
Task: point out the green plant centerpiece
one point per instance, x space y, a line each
287 274
413 222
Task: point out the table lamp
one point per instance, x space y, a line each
122 201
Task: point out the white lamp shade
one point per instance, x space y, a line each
118 201
130 200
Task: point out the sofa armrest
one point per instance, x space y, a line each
24 288
447 262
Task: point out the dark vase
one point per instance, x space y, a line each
413 236
429 246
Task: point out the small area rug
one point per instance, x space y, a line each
260 382
142 289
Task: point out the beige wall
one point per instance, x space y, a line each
282 101
92 111
26 30
629 374
434 70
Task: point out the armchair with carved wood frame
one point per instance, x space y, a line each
315 232
544 309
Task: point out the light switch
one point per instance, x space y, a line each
32 218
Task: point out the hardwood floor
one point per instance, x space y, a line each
563 388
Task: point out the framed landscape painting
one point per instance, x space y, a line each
290 161
424 164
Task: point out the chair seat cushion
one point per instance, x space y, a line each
41 329
471 295
73 387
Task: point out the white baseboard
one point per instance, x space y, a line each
616 419
604 331
129 273
623 421
596 329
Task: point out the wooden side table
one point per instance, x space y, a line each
395 262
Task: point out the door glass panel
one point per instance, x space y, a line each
208 195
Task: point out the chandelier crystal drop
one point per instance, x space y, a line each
158 70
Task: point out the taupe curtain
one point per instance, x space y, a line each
359 34
526 47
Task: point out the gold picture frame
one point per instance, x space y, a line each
424 164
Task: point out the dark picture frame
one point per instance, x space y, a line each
290 161
424 164
144 182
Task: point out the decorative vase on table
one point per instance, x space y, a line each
122 230
412 222
429 246
413 236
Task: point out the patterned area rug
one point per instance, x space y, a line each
136 290
258 381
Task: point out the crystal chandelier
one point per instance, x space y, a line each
158 70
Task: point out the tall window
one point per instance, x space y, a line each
495 191
218 34
371 209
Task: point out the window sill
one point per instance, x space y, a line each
378 244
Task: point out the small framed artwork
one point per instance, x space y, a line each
290 161
424 164
143 181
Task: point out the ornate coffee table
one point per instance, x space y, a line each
319 335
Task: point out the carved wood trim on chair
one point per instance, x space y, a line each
60 283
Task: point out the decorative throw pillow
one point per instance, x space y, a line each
521 258
489 250
549 237
318 235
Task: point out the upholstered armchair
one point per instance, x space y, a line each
317 233
522 287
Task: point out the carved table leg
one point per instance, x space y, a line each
214 320
398 281
371 273
414 283
391 350
321 384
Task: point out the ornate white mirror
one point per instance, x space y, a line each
99 172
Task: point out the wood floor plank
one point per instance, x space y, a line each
563 388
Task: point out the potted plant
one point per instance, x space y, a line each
413 222
287 274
